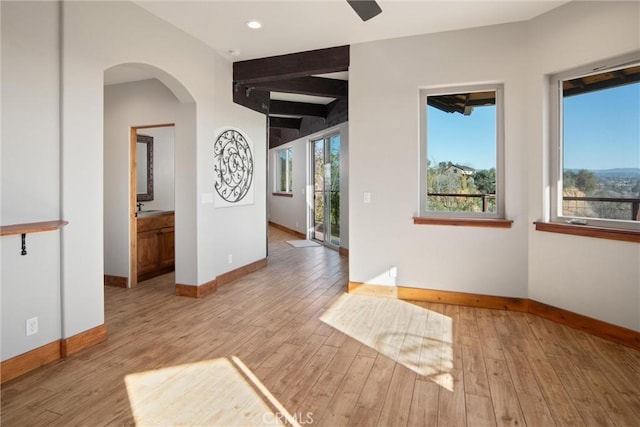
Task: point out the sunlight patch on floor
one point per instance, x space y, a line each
418 338
219 392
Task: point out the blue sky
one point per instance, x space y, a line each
464 140
601 131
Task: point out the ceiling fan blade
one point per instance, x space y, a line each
366 9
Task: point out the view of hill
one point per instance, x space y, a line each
613 192
621 186
612 173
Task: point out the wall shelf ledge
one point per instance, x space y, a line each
30 227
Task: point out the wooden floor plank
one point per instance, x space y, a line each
474 371
535 410
307 377
503 394
590 409
480 410
561 406
395 411
424 404
451 402
375 389
346 396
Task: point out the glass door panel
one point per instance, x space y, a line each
318 194
333 165
326 176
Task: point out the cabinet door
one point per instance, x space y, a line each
147 251
166 249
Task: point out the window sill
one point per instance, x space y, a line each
589 231
464 222
282 194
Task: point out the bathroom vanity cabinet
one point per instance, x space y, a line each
156 244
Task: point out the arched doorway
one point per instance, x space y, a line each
137 97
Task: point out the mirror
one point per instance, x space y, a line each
144 168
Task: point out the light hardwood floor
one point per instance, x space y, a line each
443 365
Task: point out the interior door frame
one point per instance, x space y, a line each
133 200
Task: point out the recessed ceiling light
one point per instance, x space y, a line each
254 25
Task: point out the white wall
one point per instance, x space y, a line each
292 212
30 152
240 231
54 167
126 105
384 82
595 277
100 35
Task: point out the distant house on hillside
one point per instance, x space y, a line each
460 170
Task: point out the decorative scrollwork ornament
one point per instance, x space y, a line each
233 166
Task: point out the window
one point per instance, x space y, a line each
462 152
596 145
284 171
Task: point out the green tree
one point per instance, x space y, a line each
485 181
569 179
583 180
586 181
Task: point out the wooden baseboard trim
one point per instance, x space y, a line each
86 339
193 291
343 251
33 359
288 230
443 297
604 330
209 287
116 281
232 275
26 362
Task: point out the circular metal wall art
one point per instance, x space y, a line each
233 165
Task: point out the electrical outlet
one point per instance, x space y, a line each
393 271
230 259
297 224
32 326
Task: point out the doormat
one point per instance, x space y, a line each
302 243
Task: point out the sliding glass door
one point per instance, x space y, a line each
326 182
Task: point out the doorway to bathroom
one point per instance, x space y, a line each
152 201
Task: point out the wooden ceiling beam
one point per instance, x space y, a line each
297 108
256 100
314 86
284 122
303 64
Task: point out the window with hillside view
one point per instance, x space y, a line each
462 152
597 140
284 171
